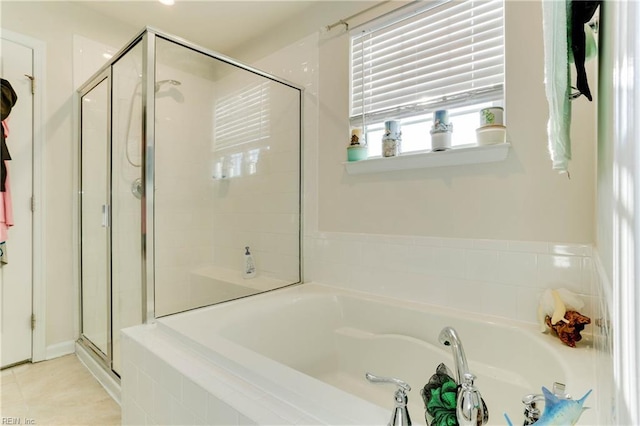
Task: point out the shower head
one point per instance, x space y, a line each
171 82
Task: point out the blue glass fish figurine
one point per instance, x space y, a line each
559 411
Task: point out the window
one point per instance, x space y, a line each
439 55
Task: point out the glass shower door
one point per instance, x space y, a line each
126 194
94 217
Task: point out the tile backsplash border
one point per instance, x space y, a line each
502 278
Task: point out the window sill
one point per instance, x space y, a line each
453 157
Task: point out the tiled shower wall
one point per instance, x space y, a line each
256 204
219 190
183 196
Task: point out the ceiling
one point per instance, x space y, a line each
219 25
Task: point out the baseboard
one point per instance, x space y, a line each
60 349
108 382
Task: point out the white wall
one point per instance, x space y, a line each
518 199
55 23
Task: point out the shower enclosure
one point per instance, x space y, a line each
186 157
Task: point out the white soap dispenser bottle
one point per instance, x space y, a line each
249 270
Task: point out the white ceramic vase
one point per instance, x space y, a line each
440 141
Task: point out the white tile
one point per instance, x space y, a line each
491 244
245 421
424 288
560 271
162 405
516 268
500 300
290 414
529 246
129 379
256 412
570 249
421 259
309 246
284 202
427 241
464 294
136 354
481 265
464 243
145 392
332 273
336 251
389 239
287 244
528 299
180 415
591 307
198 421
283 161
308 420
377 280
589 276
153 366
194 398
132 414
449 262
220 413
385 256
310 269
346 236
171 380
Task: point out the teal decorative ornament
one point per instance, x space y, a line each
559 411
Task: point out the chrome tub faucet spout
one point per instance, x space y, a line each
470 409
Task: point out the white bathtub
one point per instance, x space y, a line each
310 345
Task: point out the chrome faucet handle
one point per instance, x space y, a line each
402 385
470 409
531 411
400 415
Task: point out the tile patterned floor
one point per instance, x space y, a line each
56 392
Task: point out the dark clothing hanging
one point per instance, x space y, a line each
9 99
581 12
5 156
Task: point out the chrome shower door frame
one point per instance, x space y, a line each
147 38
98 79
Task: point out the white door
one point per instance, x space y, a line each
16 277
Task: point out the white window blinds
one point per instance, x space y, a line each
242 116
446 55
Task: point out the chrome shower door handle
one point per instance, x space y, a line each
105 216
